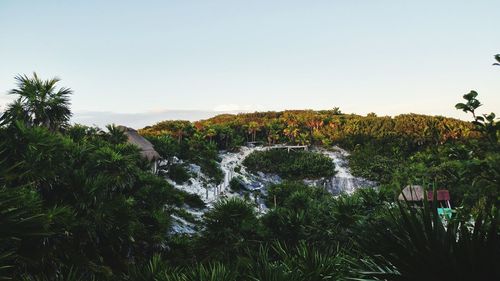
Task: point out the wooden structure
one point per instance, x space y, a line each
416 193
289 147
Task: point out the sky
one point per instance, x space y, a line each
139 62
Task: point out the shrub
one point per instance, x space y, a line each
413 244
236 184
229 227
291 165
178 173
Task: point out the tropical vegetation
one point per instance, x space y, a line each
80 203
290 164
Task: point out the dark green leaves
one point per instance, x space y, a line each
413 244
486 124
39 103
472 103
291 165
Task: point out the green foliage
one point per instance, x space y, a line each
303 262
236 184
192 148
314 127
466 167
211 272
178 173
375 161
65 274
229 228
413 244
158 270
115 135
276 263
38 103
305 213
23 223
78 203
166 146
485 124
103 203
290 165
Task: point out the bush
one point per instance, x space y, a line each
178 173
229 227
193 200
236 184
413 244
102 204
291 165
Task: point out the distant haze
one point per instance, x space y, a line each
139 120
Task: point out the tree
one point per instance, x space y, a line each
291 130
102 204
179 132
226 134
229 227
273 129
313 124
253 127
210 133
336 111
39 103
485 124
115 134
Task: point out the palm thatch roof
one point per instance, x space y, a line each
412 193
146 147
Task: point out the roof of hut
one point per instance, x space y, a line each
146 147
412 193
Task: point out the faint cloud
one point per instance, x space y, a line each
138 120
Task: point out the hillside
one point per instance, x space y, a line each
315 127
228 201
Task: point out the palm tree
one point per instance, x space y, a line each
253 127
15 112
179 132
291 132
313 124
210 133
225 134
273 129
116 134
336 111
39 103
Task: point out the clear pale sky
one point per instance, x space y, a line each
164 59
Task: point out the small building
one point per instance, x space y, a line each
147 149
416 194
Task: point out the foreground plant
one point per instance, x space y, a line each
158 270
303 262
413 244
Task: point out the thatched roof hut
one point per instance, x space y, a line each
146 147
412 193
